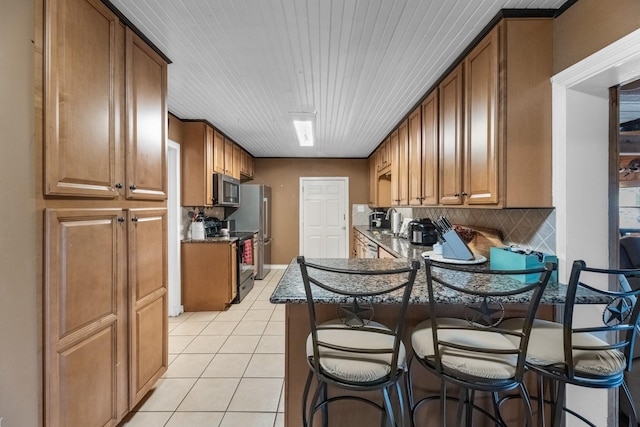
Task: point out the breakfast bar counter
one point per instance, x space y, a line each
290 291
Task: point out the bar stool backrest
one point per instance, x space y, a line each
617 326
483 293
356 292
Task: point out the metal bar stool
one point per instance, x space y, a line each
476 353
353 352
594 355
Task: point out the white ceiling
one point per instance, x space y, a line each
245 65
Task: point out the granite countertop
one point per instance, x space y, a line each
221 239
397 246
290 289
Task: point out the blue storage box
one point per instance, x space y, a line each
505 259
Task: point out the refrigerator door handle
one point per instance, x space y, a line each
265 226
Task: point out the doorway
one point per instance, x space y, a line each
323 217
627 150
173 232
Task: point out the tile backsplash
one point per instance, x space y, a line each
528 228
185 222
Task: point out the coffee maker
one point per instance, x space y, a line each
212 227
422 232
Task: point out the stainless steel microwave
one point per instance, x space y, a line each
226 190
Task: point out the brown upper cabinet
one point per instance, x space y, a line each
400 167
218 152
485 135
373 180
237 162
228 156
450 138
201 150
247 165
415 157
392 145
197 155
385 157
84 62
90 65
429 151
146 143
507 139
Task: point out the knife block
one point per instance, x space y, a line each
454 247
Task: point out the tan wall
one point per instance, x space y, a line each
20 228
174 129
283 176
588 26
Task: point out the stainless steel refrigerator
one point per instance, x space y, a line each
254 214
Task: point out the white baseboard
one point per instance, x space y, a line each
176 310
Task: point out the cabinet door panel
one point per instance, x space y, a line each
150 346
481 144
228 157
403 164
415 157
146 121
430 149
85 316
450 138
208 275
392 144
83 96
237 161
208 169
218 152
87 378
148 331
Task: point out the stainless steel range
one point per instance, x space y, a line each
246 262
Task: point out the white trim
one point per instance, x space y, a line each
612 65
174 232
344 179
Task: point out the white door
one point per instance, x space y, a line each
323 217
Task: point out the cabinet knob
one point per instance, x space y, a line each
118 185
134 219
120 219
464 193
132 187
456 194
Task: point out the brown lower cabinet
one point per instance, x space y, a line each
148 303
209 275
105 312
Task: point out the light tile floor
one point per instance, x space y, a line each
226 369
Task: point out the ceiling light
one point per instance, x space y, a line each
303 122
304 130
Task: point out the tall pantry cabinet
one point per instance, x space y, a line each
105 224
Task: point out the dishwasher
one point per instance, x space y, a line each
372 250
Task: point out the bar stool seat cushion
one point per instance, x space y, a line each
489 366
355 366
546 349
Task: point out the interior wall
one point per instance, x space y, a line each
20 256
283 176
588 26
581 149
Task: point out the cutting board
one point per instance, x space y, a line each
484 240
